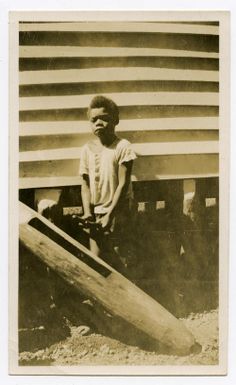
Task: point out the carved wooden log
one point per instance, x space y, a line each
95 278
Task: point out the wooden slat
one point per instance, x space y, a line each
126 112
35 182
203 147
52 154
65 172
121 27
51 168
175 166
46 142
115 74
191 42
107 87
62 63
194 22
86 52
142 149
83 127
122 99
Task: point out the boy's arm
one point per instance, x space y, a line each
86 196
124 175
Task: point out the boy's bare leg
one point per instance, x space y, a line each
94 247
107 252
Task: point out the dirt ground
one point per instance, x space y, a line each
83 346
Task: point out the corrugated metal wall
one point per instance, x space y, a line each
163 76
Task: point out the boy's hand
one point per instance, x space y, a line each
105 221
88 217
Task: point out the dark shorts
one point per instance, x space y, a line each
119 231
120 225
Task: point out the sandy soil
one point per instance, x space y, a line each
84 346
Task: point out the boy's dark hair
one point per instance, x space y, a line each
100 101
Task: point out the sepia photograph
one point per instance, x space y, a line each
119 138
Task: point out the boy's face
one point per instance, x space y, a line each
101 121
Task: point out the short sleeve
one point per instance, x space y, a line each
83 167
126 152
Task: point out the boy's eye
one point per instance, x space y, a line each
104 118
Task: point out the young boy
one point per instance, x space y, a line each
105 167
